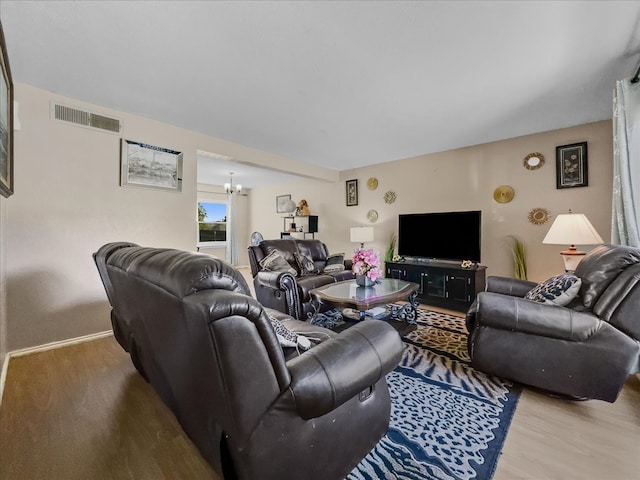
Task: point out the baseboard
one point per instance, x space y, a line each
43 348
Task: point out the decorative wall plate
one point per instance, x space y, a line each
533 161
539 216
503 194
390 197
372 216
372 183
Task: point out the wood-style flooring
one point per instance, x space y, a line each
83 412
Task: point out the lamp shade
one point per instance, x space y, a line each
572 229
290 206
361 234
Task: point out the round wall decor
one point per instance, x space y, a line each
372 183
372 216
503 194
533 161
539 216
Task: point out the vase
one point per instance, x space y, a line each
364 281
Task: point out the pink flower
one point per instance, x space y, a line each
367 262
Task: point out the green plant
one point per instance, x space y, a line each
519 258
391 248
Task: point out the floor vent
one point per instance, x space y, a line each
86 119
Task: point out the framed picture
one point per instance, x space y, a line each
6 122
143 165
352 193
282 202
571 165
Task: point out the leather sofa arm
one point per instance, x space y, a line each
338 369
276 280
509 286
526 316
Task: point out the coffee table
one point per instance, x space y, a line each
348 294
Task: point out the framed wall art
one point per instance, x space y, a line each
352 193
282 202
571 165
6 122
143 165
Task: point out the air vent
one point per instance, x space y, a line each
86 119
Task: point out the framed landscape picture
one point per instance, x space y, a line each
352 193
144 165
282 201
571 165
6 122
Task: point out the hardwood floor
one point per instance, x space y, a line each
83 412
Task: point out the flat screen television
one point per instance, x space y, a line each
441 235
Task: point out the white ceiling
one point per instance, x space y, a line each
338 84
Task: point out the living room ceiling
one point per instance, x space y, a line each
336 84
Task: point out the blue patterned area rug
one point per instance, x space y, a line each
448 421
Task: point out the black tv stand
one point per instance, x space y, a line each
442 283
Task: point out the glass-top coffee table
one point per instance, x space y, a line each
348 294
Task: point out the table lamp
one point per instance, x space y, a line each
572 229
361 235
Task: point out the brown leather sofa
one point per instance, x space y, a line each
586 349
253 409
284 291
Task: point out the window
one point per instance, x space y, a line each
212 223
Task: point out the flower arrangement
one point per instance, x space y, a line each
366 261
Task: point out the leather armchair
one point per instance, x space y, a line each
586 349
285 292
254 410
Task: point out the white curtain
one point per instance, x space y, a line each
625 222
232 237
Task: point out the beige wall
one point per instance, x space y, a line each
68 202
463 179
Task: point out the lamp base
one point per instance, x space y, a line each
572 258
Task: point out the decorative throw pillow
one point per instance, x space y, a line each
274 262
335 263
558 290
305 264
288 338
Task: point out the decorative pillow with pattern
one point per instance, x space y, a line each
558 290
305 264
335 263
274 262
288 338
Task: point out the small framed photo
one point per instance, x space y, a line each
282 202
143 165
352 193
6 122
571 165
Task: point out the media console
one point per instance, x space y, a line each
442 284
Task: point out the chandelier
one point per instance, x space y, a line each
229 187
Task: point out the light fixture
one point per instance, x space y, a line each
229 188
361 235
572 229
290 207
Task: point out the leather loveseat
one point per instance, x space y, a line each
585 349
211 353
288 291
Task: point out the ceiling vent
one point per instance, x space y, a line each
86 119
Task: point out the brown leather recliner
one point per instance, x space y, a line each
585 349
209 350
285 292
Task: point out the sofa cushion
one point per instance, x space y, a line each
558 290
288 338
306 264
335 263
601 265
274 262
